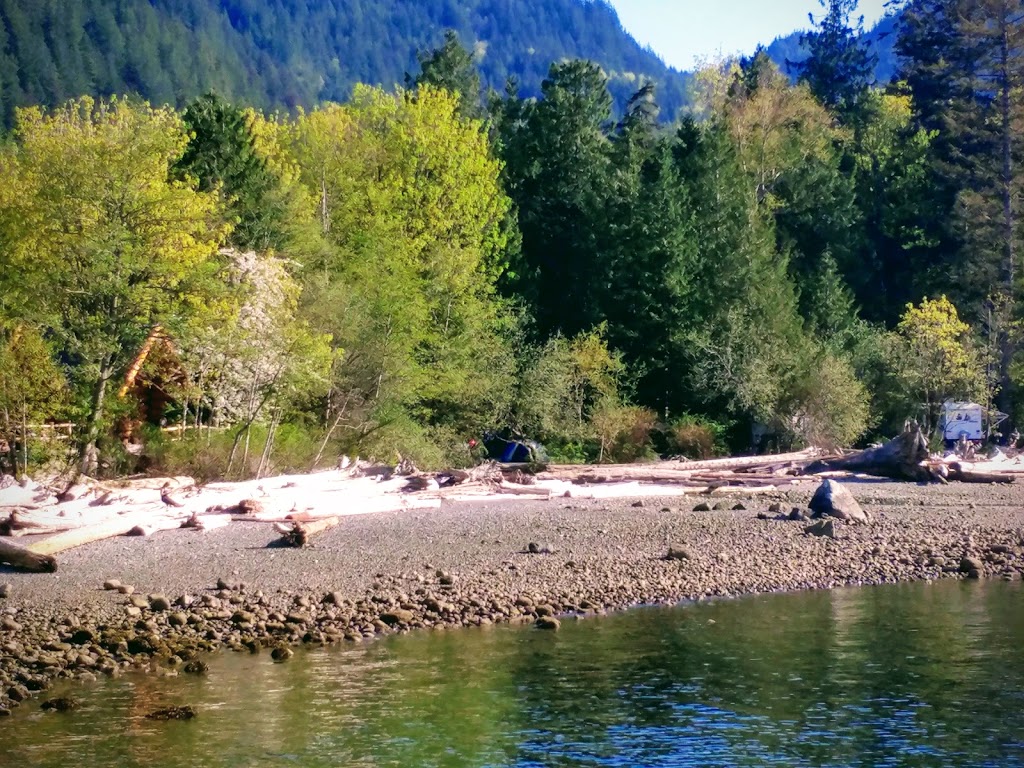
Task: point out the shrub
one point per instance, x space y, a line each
696 437
205 453
428 447
570 452
623 432
830 407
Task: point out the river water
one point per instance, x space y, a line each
912 675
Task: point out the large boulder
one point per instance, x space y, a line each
833 500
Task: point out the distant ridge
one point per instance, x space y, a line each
288 53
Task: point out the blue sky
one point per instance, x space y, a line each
680 30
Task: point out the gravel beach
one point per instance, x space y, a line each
184 593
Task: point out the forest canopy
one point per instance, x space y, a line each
230 291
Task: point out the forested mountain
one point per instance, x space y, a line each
273 53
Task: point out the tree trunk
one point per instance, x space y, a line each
24 441
19 557
117 526
90 450
899 459
268 446
155 335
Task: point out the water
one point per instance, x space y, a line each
916 675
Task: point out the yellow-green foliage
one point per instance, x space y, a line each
937 359
104 244
32 389
695 437
566 384
409 197
623 432
831 407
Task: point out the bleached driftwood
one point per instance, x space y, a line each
298 534
117 526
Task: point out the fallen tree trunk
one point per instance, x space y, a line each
299 534
902 458
668 471
744 462
155 526
960 474
20 557
87 534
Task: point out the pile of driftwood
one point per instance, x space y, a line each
300 507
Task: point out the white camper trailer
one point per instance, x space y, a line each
963 421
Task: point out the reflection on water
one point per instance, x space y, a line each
919 675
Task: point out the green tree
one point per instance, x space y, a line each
792 152
222 155
564 384
557 154
965 66
650 250
454 69
744 330
32 389
414 214
115 247
839 69
901 201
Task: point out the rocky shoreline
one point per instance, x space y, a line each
161 603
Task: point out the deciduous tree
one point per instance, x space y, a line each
115 245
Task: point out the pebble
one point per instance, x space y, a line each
159 602
281 653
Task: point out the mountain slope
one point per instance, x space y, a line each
287 53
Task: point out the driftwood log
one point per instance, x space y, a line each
19 557
902 458
298 533
963 475
106 529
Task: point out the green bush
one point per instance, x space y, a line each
569 452
828 406
205 454
696 437
428 447
624 432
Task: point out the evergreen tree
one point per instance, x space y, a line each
453 68
650 252
839 68
223 157
792 152
558 161
964 61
